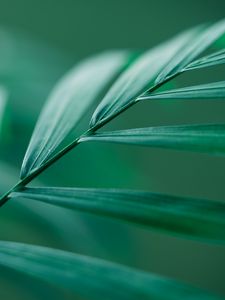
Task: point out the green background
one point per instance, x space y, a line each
39 42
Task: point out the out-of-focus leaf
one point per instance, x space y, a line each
217 58
204 38
139 77
29 68
3 97
208 138
195 218
67 104
24 58
94 278
203 91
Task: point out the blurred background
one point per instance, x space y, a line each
39 42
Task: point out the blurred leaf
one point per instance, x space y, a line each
217 58
3 96
24 57
195 218
209 138
204 91
193 48
138 77
29 68
67 104
92 277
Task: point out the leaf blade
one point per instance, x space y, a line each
203 91
3 99
216 58
203 39
67 103
195 218
209 138
92 277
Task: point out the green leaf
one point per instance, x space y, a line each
3 98
29 69
216 58
195 218
209 138
203 91
203 39
94 278
67 103
139 77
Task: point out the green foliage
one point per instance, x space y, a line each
60 117
194 46
91 277
68 103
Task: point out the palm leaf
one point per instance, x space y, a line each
208 138
217 58
73 96
203 91
201 41
91 277
195 218
67 103
139 77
